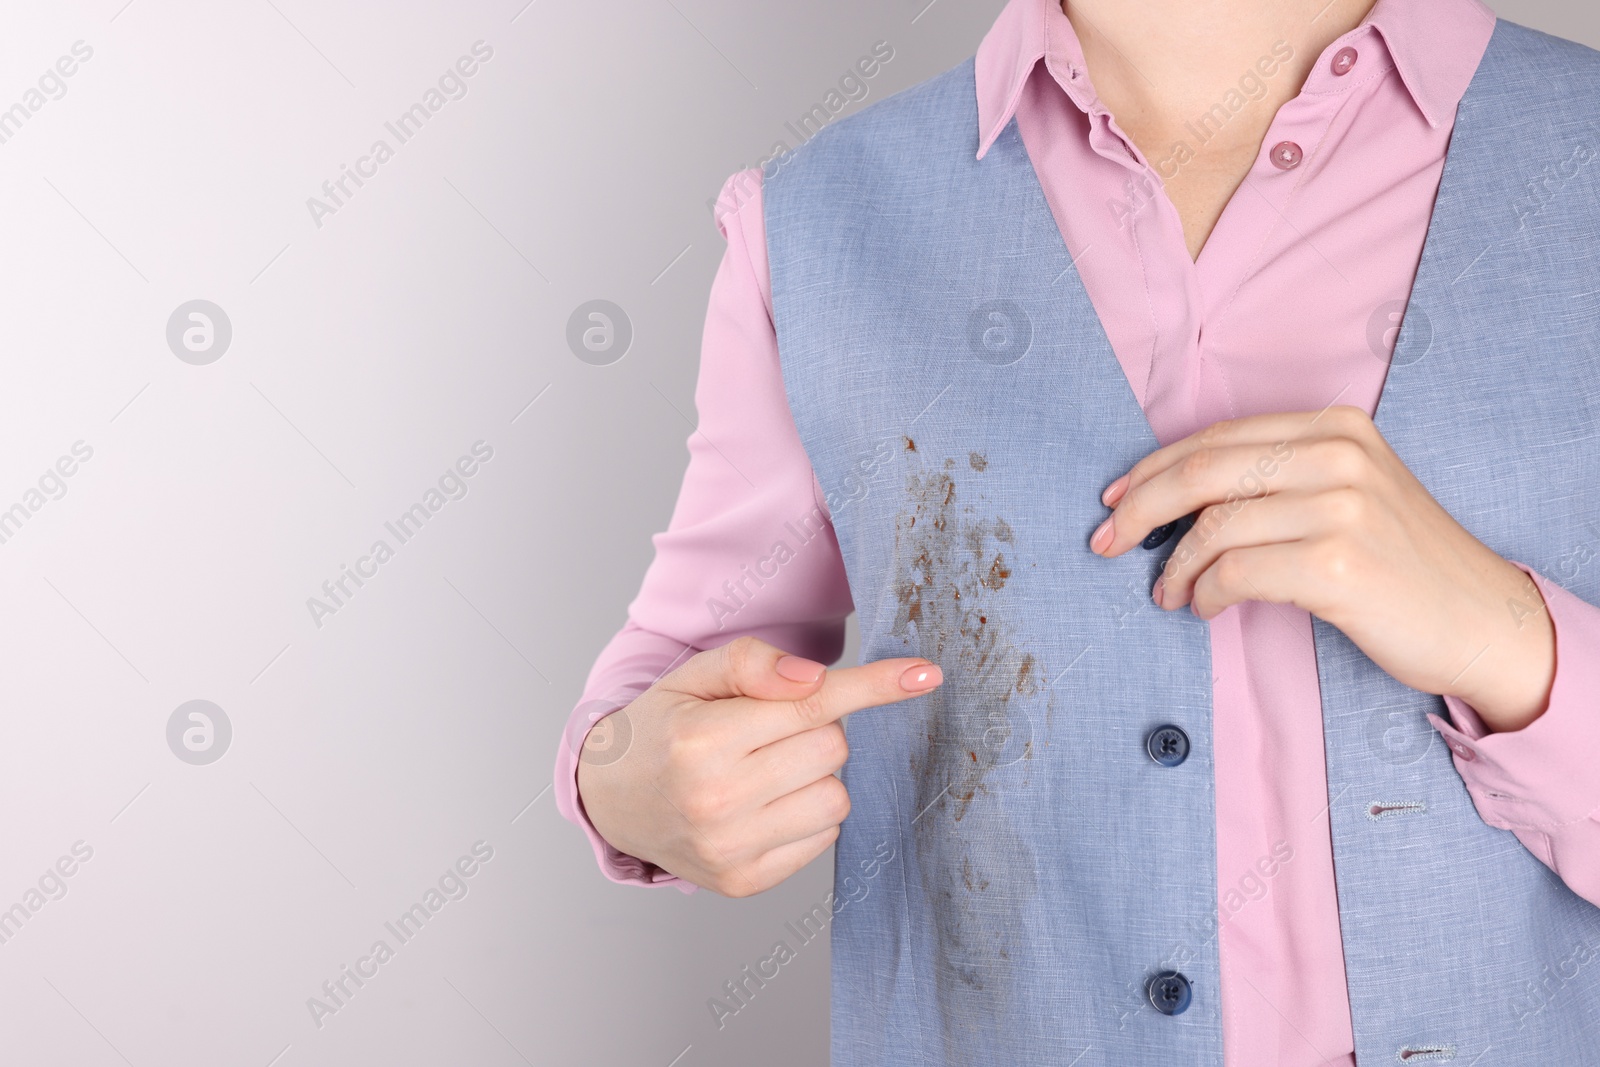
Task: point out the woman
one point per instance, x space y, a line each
1151 258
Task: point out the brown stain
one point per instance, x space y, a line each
954 581
944 600
998 573
1024 672
973 882
911 446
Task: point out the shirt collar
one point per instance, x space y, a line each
1435 46
1014 45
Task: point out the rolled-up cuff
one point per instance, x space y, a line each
616 865
1546 774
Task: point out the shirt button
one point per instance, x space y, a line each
1463 751
1168 745
1169 992
1286 155
1343 60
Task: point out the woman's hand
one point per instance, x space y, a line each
725 775
1315 509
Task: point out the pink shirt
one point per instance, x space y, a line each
1290 306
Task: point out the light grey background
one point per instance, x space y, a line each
368 353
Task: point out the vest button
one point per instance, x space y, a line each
1168 745
1343 60
1158 537
1162 534
1169 992
1286 155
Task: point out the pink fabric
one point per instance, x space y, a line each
1199 341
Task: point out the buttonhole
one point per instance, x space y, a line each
1383 809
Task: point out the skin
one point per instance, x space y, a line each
1314 509
729 779
1157 63
1344 531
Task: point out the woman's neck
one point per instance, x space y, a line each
1158 65
1181 55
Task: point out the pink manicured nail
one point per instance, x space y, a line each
921 678
1102 537
1159 592
1115 490
799 669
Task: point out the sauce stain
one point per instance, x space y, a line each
953 583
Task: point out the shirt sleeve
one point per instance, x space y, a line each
1540 782
730 562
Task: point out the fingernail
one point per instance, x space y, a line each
1102 537
921 678
1159 592
799 669
1115 490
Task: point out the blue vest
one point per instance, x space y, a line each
1016 867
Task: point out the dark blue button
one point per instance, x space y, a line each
1169 992
1168 745
1162 534
1158 537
